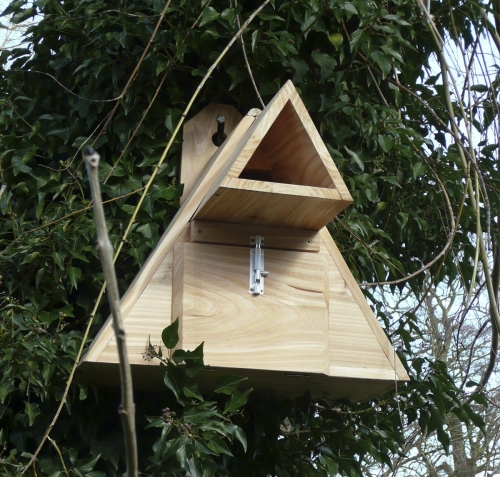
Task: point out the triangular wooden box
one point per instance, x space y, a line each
312 329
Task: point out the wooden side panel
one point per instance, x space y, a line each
274 237
284 329
268 208
147 319
197 146
354 349
352 322
178 288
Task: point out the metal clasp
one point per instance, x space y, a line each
257 272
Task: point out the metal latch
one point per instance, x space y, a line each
257 272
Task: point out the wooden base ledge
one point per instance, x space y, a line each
282 384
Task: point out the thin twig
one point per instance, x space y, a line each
64 87
444 251
134 73
115 165
76 212
126 408
246 60
492 294
56 447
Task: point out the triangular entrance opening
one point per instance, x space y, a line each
287 155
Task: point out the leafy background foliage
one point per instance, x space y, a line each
362 70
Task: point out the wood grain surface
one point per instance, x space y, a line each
364 308
238 234
284 329
284 209
197 145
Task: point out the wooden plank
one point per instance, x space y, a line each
352 342
147 319
284 329
265 208
197 146
176 227
281 188
352 286
178 289
299 165
274 237
294 132
364 373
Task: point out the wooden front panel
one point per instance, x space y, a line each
278 205
284 329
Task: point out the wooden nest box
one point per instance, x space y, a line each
249 268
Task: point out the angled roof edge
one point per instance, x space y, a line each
166 241
354 288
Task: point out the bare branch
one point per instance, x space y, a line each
127 407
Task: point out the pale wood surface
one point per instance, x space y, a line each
177 311
238 234
313 317
147 319
288 154
305 153
285 137
176 227
265 208
320 146
284 329
280 188
353 344
197 146
363 372
360 300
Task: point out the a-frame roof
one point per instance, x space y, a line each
278 152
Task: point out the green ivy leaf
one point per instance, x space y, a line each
192 391
336 39
171 384
209 15
31 410
419 169
383 62
386 142
170 335
216 444
356 158
74 274
238 399
326 62
227 383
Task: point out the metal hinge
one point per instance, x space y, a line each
257 272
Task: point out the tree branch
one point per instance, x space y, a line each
127 407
